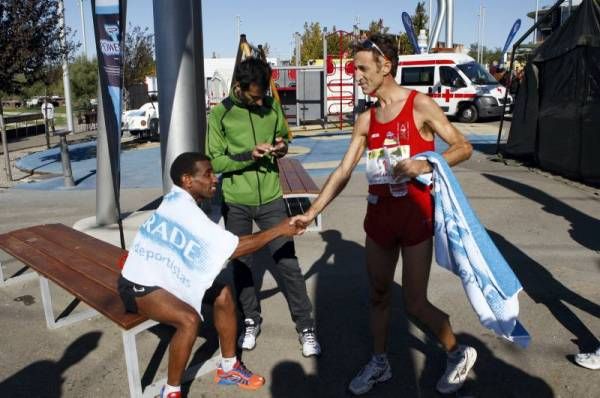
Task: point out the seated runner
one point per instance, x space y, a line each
171 267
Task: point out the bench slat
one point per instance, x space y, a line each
87 246
87 268
104 300
294 178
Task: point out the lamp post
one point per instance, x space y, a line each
83 29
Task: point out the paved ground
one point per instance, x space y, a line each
547 229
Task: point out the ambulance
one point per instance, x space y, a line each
458 84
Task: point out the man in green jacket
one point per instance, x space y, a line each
246 134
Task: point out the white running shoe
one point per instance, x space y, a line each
373 372
589 360
310 345
247 340
458 366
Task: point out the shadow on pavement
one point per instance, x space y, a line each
342 315
584 229
493 378
45 378
543 288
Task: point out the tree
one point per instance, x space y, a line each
139 55
420 18
312 43
488 55
84 81
30 42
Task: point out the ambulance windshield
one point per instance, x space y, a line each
477 74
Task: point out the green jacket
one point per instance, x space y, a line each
233 132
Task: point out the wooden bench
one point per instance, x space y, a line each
298 188
88 269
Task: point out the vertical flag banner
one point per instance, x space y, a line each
511 35
410 31
109 29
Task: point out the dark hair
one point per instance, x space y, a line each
253 70
387 45
185 163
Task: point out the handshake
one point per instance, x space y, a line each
278 150
294 226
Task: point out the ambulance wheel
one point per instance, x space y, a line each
468 114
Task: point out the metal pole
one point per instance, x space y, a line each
298 51
441 14
478 33
83 29
535 35
237 21
65 160
325 110
106 203
180 72
65 67
450 24
429 20
5 146
482 34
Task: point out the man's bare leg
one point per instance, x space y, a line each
163 307
226 321
416 265
381 264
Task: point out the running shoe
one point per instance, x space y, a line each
589 360
241 376
310 345
458 366
176 394
247 340
376 371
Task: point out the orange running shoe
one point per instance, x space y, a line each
241 376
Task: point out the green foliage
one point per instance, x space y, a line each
312 43
488 55
404 45
84 81
30 43
420 18
139 55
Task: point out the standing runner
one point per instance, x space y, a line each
399 216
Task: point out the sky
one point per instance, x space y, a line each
275 22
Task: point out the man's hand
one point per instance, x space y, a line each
280 148
411 168
261 150
301 222
289 228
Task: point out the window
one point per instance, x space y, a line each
420 76
448 75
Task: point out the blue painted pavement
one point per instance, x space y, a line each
140 168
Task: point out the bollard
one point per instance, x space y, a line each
64 156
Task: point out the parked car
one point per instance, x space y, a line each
34 101
142 121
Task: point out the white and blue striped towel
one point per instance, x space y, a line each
463 246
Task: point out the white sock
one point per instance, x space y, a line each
228 363
169 389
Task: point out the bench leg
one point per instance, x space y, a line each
131 361
51 322
133 368
15 279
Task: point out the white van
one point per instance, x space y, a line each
458 84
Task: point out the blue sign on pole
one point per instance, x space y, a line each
511 35
410 32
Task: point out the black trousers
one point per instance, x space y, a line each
238 220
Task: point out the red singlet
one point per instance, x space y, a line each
407 220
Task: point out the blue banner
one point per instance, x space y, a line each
410 32
511 35
109 29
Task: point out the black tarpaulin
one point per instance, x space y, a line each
556 120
